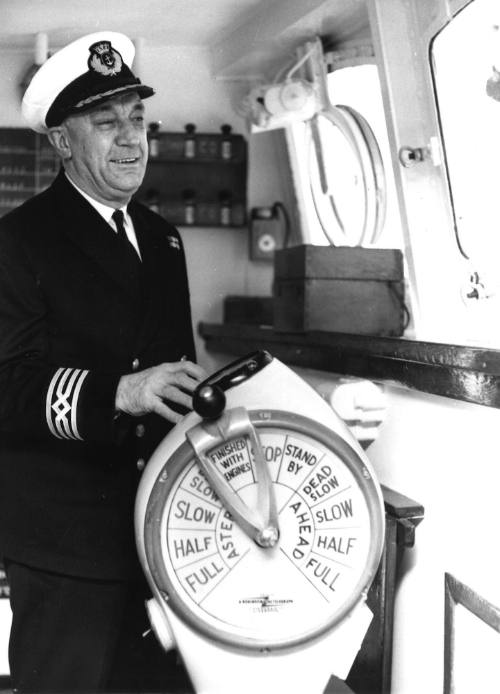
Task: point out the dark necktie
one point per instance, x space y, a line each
118 219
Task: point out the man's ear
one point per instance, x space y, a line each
58 138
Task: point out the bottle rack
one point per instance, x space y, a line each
27 166
196 179
192 179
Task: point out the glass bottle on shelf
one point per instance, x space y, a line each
189 197
154 138
189 141
226 147
225 200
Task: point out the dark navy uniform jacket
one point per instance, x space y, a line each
75 315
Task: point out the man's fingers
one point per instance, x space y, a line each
190 368
141 392
186 382
166 412
174 394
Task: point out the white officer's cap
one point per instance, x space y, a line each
81 75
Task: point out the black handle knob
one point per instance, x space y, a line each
209 401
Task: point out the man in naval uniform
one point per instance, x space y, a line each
96 365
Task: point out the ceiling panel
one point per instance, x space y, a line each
246 37
173 22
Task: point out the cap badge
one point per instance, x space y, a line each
104 59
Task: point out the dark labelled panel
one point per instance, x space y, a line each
28 164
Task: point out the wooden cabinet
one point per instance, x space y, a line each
197 179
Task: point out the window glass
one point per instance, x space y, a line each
466 70
463 55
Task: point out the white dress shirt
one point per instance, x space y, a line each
106 213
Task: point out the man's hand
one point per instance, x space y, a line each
146 391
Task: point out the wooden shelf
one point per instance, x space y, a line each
471 374
208 175
16 150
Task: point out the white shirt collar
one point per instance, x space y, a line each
106 213
104 210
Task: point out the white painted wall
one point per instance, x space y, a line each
445 454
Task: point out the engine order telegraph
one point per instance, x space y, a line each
260 528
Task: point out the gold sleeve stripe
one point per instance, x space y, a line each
62 402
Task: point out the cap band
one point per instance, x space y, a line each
86 91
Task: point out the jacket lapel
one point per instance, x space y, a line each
86 228
152 247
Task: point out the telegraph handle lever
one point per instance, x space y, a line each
209 400
260 521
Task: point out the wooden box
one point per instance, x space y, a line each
339 289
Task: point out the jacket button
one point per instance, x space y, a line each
140 464
140 430
135 364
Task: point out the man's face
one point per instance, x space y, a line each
109 149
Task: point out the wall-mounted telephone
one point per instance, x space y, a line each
269 230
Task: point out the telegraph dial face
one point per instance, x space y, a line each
231 589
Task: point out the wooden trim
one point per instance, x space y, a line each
372 669
471 374
457 593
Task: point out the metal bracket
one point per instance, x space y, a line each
410 156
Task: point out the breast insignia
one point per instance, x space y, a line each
173 242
